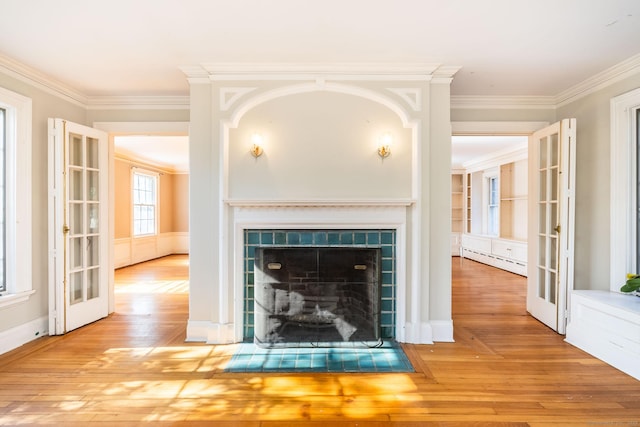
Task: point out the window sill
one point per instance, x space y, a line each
11 299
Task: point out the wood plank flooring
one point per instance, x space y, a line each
134 369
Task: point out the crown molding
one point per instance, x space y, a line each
496 128
338 71
618 72
33 77
503 102
41 81
138 103
512 154
142 163
205 73
144 128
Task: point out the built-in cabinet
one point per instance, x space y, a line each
457 211
508 249
509 255
607 325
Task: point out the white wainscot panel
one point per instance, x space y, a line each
144 249
129 251
121 252
505 254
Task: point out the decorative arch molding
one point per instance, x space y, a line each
319 86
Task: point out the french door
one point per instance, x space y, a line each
551 224
78 226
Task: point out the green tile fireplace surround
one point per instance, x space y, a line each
384 239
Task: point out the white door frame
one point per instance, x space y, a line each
128 128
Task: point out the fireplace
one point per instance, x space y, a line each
309 296
383 240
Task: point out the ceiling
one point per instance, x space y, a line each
468 149
137 48
505 47
169 153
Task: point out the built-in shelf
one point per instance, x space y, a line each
513 200
457 211
467 197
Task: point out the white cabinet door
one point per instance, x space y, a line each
78 226
551 222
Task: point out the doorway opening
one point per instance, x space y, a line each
489 202
151 211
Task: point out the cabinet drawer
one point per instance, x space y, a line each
507 249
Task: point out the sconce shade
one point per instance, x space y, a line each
384 147
256 149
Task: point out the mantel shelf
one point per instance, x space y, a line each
319 203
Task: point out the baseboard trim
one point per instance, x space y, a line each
22 334
210 332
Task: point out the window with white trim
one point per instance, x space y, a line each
145 203
636 117
625 187
15 197
3 203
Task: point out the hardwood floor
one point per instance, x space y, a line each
134 368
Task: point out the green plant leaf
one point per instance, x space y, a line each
631 285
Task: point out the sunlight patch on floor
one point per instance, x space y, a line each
154 287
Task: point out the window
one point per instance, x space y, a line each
145 189
493 207
15 198
624 214
3 203
637 184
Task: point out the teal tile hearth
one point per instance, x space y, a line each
389 357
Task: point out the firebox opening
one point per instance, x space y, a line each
307 296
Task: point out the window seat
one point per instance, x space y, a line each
607 325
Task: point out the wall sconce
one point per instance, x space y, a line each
256 149
384 146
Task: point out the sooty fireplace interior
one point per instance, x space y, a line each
313 295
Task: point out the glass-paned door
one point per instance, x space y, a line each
552 160
78 224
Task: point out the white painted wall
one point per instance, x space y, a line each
592 232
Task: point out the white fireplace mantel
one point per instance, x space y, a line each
316 214
318 203
407 193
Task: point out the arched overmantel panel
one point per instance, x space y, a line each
310 129
370 94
